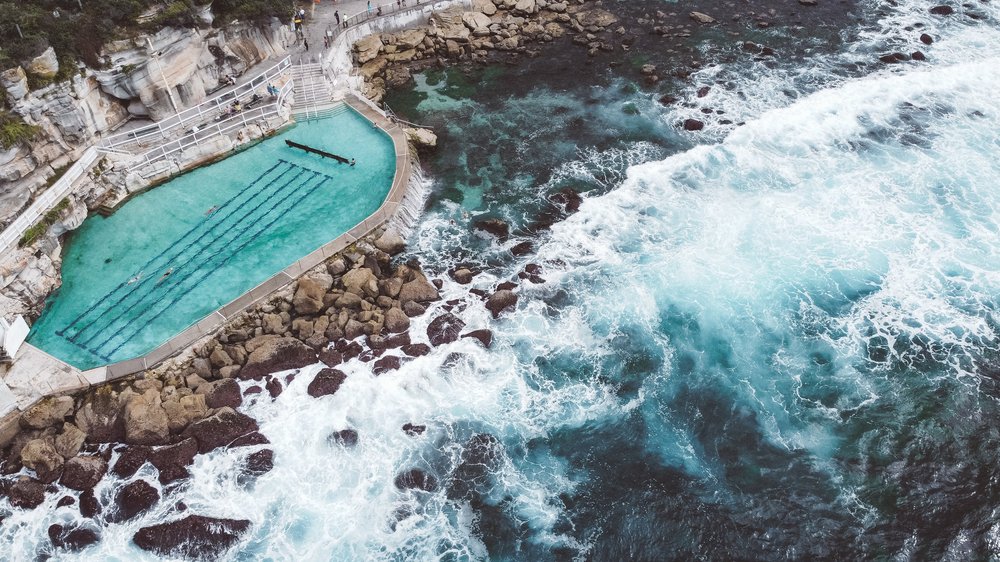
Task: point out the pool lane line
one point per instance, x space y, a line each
193 229
322 181
183 267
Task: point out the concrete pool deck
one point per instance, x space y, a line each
36 374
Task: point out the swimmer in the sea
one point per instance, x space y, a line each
164 276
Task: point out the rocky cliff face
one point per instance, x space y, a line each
74 113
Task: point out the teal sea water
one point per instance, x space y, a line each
170 256
776 338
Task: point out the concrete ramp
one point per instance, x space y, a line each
36 374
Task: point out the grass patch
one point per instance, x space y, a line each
42 226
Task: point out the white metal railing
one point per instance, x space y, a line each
198 113
47 199
222 127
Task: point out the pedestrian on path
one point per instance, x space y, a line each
369 7
337 15
305 42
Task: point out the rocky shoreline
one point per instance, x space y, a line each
357 305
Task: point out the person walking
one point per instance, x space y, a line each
305 42
337 15
369 7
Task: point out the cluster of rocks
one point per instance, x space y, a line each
491 27
357 305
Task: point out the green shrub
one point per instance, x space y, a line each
14 131
42 226
255 11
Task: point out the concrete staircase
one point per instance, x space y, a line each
311 88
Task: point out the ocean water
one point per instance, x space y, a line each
170 256
761 341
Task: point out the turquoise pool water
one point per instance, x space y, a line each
170 256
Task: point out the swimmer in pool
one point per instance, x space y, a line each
136 278
212 210
164 276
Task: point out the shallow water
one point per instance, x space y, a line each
172 255
774 340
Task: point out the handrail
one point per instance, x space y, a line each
47 199
222 127
198 112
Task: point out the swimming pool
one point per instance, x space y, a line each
170 256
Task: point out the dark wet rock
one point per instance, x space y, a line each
481 456
917 55
522 248
349 350
568 198
416 479
130 460
501 301
693 125
344 437
485 337
413 309
386 364
327 382
260 462
222 393
481 293
26 493
437 283
506 286
250 439
271 354
893 58
396 321
274 388
416 349
926 39
251 390
89 506
72 539
65 501
194 536
703 91
414 430
171 457
135 498
82 473
330 357
173 473
496 227
396 340
667 99
180 506
418 290
444 329
221 429
942 10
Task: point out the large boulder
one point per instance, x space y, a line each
41 456
359 281
596 18
308 297
135 498
72 539
444 329
260 462
702 17
45 65
83 473
171 457
47 412
327 382
525 7
494 226
100 416
396 321
187 409
416 479
70 441
130 460
479 20
418 290
485 337
221 393
501 301
195 536
367 48
276 354
223 428
15 81
146 421
390 242
26 493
